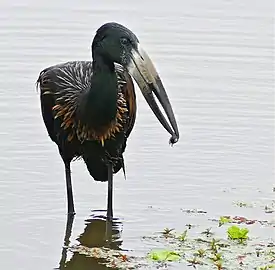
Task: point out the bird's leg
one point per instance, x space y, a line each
70 199
110 192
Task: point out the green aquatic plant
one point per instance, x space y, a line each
182 237
267 267
164 255
167 232
216 257
214 245
208 232
237 233
200 252
243 204
271 254
223 220
219 265
194 261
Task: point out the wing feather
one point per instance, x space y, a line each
128 91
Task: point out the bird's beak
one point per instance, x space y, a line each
149 82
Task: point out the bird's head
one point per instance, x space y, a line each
117 44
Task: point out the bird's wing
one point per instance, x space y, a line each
59 84
128 92
69 78
130 97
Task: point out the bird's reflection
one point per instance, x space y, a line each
98 232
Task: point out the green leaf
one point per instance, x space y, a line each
237 233
224 220
182 237
266 267
164 255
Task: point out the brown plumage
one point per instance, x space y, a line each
63 94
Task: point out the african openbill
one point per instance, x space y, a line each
89 107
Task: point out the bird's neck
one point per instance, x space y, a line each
99 106
101 63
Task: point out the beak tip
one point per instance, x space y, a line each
174 139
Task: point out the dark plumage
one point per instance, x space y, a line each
89 108
63 89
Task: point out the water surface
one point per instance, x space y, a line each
216 59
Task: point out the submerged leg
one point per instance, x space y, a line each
110 192
68 232
70 199
108 232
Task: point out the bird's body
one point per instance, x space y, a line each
63 90
89 107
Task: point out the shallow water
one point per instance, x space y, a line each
216 59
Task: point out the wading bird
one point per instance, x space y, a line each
89 107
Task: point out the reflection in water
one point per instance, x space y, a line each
68 233
98 232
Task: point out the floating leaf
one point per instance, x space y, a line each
164 255
237 233
266 267
224 220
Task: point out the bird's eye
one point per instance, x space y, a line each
124 41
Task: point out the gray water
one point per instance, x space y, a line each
216 59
